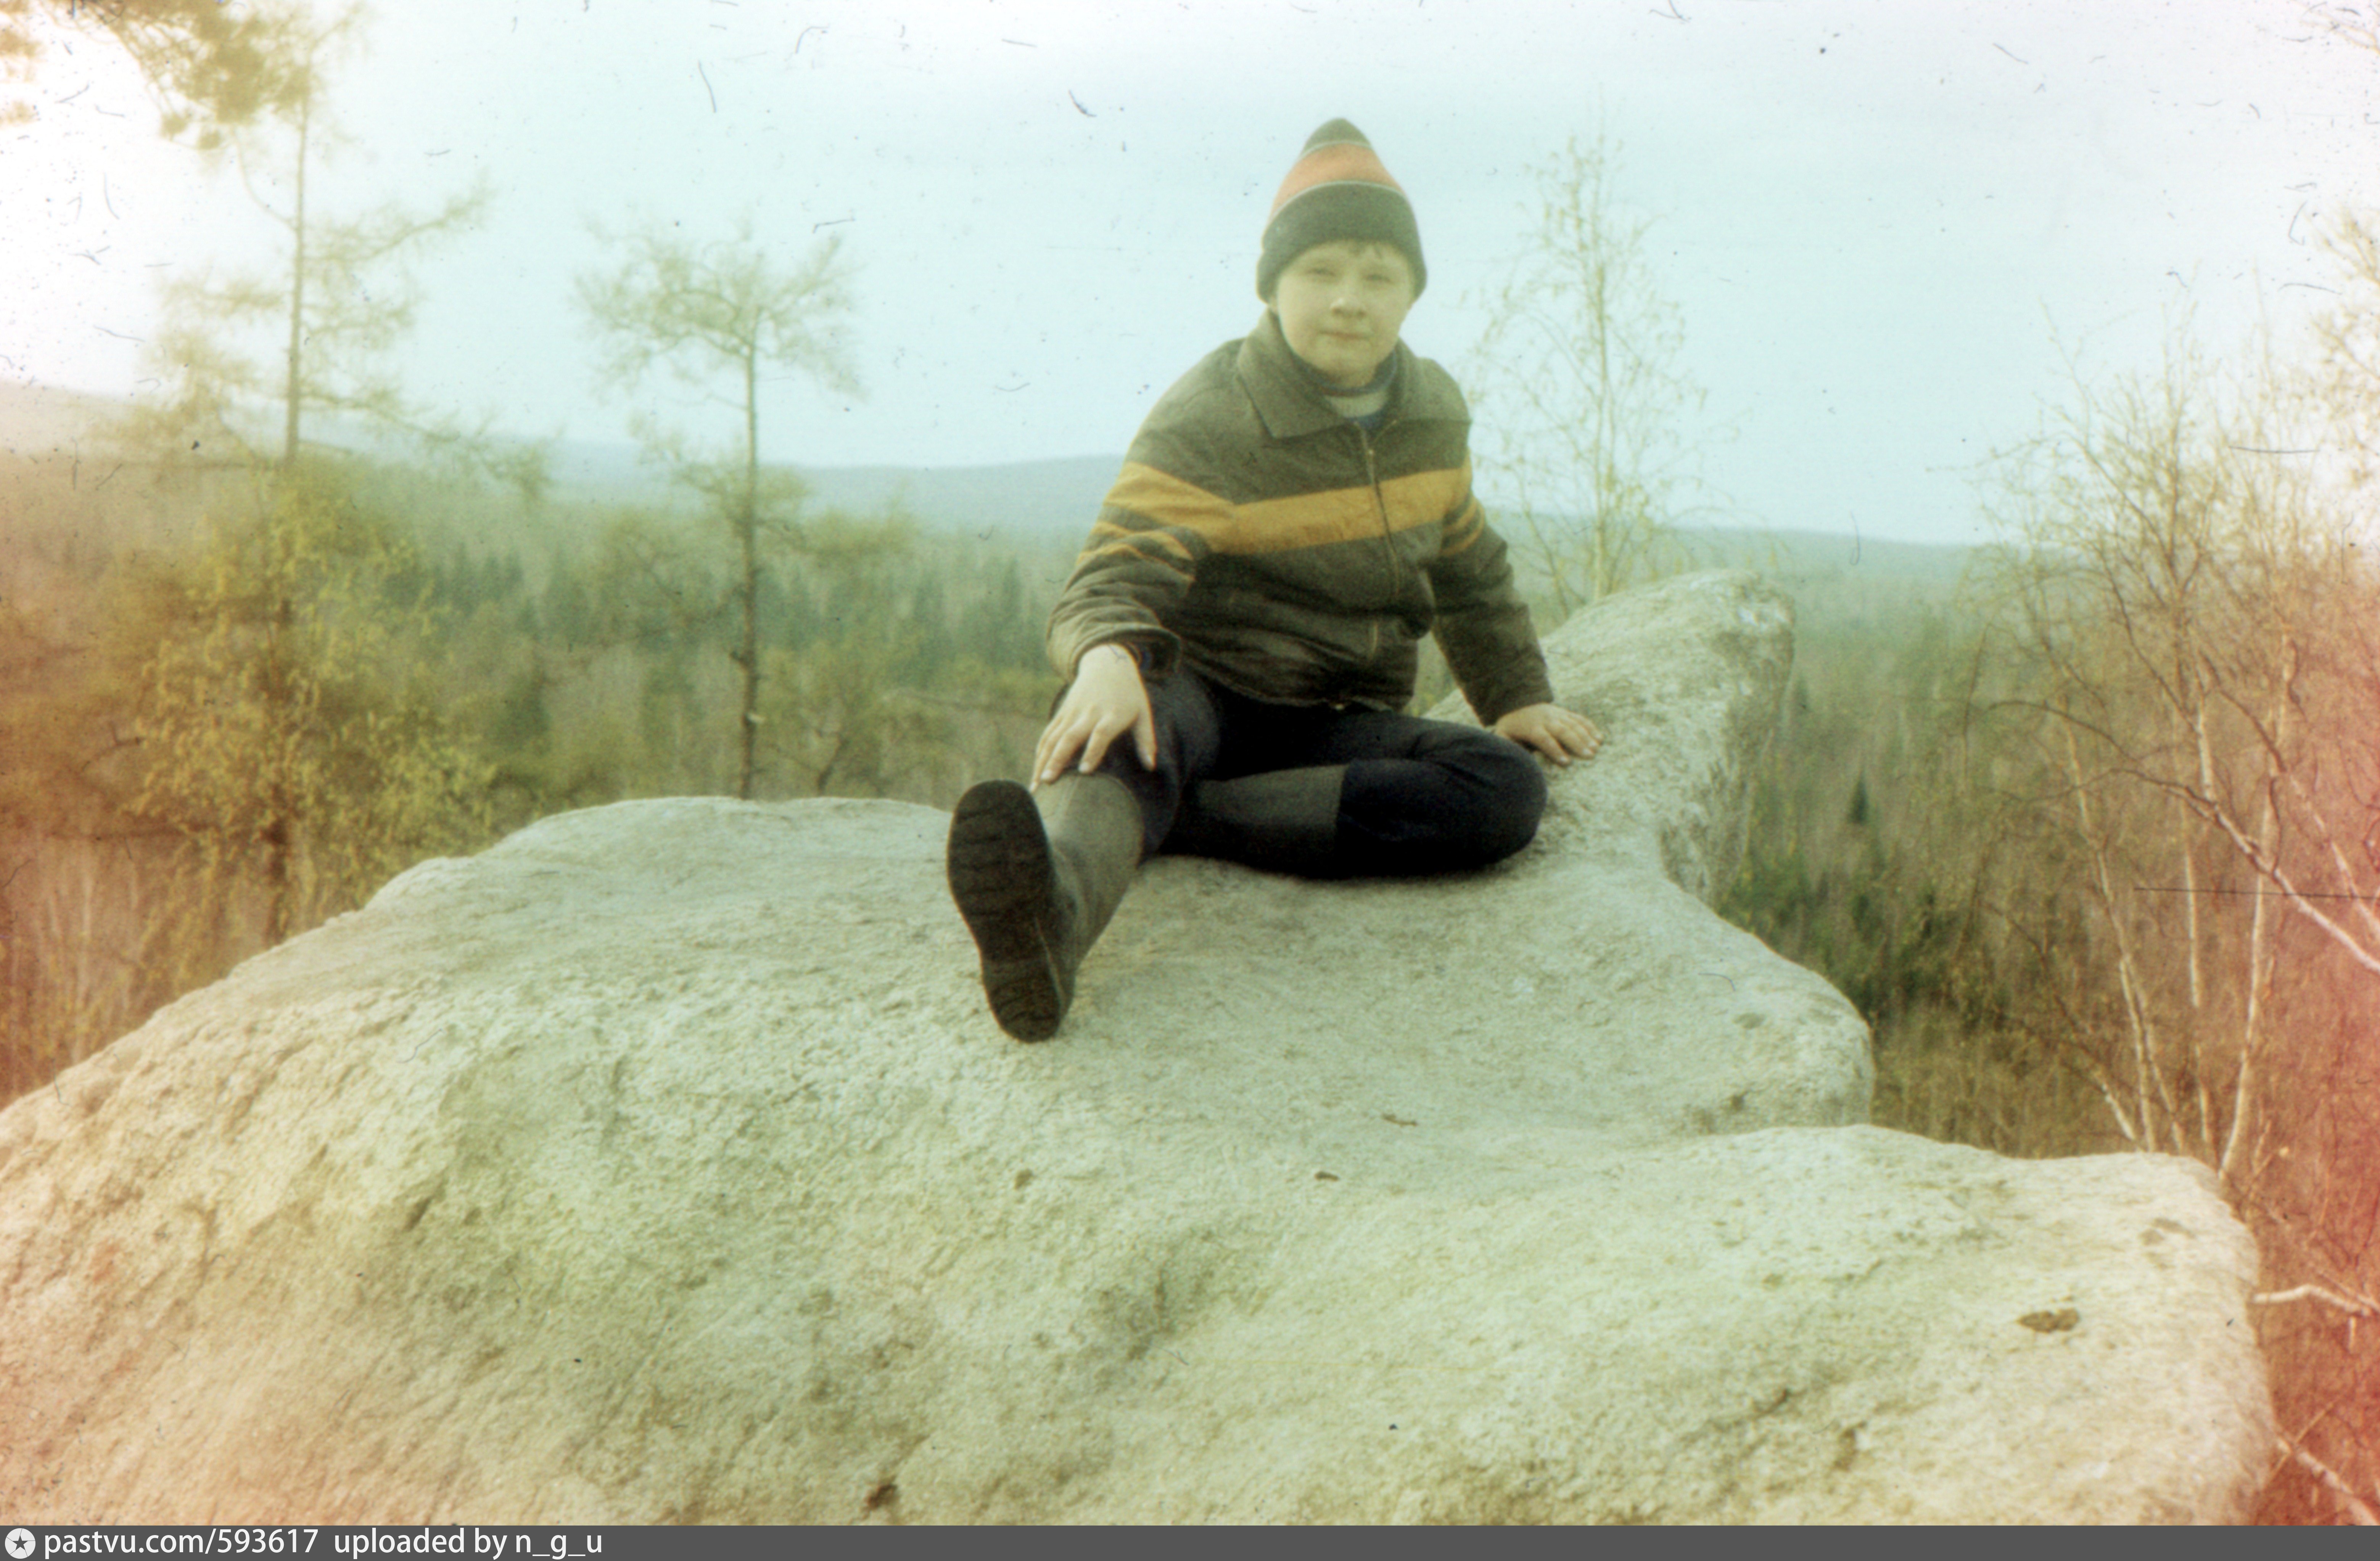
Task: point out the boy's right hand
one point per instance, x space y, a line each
1106 700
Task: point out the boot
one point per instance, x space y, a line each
1037 879
1281 820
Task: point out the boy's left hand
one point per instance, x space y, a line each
1558 734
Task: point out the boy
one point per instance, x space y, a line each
1240 631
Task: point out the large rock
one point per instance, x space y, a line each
662 1163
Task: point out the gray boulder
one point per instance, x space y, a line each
662 1163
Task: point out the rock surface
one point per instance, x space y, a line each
662 1163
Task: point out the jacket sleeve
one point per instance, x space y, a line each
1153 531
1483 624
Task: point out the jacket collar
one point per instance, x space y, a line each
1292 407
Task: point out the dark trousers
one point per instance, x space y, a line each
1415 795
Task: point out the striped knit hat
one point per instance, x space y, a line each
1337 189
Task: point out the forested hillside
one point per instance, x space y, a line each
235 709
2093 841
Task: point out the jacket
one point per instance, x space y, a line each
1259 537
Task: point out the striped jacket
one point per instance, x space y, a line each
1271 545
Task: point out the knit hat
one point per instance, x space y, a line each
1337 189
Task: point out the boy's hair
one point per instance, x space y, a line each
1337 189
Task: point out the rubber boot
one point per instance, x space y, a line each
1036 877
1281 820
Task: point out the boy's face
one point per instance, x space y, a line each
1341 305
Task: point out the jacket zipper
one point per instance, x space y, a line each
1388 535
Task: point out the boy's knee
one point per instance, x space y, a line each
1471 800
1510 798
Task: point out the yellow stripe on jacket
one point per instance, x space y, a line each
1307 520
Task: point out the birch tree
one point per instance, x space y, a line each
2188 614
1584 403
2191 621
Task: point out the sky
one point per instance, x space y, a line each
1894 229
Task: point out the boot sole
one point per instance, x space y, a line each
1000 875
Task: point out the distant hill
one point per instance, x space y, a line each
1055 502
40 420
1036 500
1842 585
1032 500
1788 556
1027 498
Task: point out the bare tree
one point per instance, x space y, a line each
726 311
2190 613
2188 621
1581 390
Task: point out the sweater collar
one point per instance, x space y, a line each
1291 405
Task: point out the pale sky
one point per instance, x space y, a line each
1880 219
